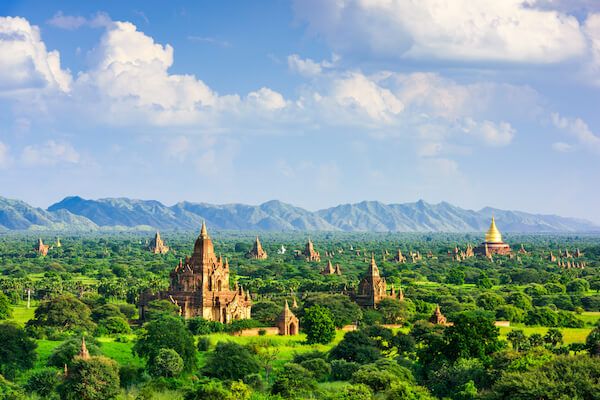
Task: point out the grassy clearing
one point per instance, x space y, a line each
590 317
21 314
570 335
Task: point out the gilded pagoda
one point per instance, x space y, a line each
493 243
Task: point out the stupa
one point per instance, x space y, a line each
157 246
493 243
310 253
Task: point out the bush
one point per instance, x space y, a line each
318 367
167 363
299 358
203 343
201 326
64 353
255 381
17 351
342 370
42 382
128 310
106 311
294 382
96 378
113 325
318 325
230 361
5 308
129 375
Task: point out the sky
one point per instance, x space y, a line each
312 102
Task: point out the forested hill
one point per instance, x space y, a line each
76 213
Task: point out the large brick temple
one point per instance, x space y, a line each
200 287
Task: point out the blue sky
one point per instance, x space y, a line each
313 102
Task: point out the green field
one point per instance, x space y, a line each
570 335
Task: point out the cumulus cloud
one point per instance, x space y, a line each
592 29
307 67
488 30
578 129
50 153
24 61
493 134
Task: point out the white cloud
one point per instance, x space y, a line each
489 30
24 61
592 30
578 129
307 67
4 156
49 153
563 147
493 134
267 99
68 22
430 149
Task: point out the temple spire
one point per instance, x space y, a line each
203 233
493 235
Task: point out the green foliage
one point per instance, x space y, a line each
265 311
553 337
518 339
318 325
17 350
96 378
63 312
157 308
230 361
566 377
381 375
5 308
42 382
114 325
167 331
356 346
471 336
319 368
458 380
394 311
489 301
592 342
578 286
456 276
342 370
341 310
203 343
106 311
10 391
357 392
510 313
293 382
167 363
484 282
543 316
63 354
128 310
201 326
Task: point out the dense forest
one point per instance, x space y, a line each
546 295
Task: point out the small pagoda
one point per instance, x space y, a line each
493 244
310 253
257 251
156 245
437 317
287 322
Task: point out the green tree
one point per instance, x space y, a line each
536 340
230 361
63 312
106 311
484 282
294 382
357 347
42 382
318 325
114 325
167 363
393 310
265 311
17 350
592 342
517 338
471 336
5 308
489 301
455 277
553 337
167 331
342 310
158 307
95 378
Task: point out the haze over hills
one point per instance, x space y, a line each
76 213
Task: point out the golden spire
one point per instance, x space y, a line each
203 233
493 235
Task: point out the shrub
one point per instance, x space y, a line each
255 381
167 363
294 382
318 367
42 382
114 325
230 361
128 310
106 311
318 325
342 370
203 343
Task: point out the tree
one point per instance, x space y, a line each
265 311
543 316
471 336
341 310
230 361
455 277
566 377
106 311
294 382
484 282
5 308
356 346
266 355
578 286
17 350
553 337
489 301
95 378
393 310
167 331
156 308
114 325
63 312
536 340
520 300
592 342
319 368
517 338
42 382
318 325
167 363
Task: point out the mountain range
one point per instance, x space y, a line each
78 214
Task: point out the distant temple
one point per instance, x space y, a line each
58 241
328 270
41 248
157 246
257 251
437 317
287 322
200 287
310 253
493 243
281 250
371 289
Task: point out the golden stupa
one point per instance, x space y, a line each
493 234
493 243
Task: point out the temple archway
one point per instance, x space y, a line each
292 329
219 285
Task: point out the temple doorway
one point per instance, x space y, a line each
292 329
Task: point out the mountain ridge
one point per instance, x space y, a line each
77 213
